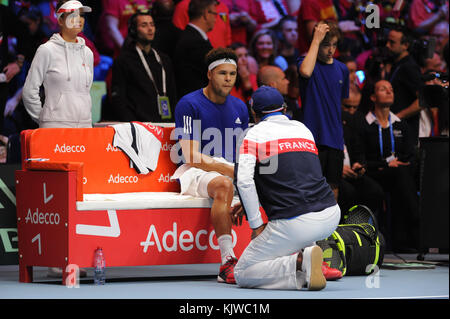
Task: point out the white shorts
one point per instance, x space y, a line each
194 181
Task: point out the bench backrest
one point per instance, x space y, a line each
105 169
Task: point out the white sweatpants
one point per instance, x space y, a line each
270 260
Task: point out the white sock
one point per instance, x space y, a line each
226 247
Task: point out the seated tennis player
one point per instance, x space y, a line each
208 123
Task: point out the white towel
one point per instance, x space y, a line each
140 142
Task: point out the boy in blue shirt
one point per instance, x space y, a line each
208 124
324 82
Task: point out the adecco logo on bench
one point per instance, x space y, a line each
69 148
186 240
119 179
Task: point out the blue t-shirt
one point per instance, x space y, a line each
216 126
321 97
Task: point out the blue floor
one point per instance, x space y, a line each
199 282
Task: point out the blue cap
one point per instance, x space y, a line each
266 100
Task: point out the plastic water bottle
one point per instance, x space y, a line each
99 267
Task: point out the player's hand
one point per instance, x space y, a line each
257 231
237 213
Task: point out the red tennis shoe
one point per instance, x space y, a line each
226 271
330 273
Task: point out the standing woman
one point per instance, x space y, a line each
64 65
264 47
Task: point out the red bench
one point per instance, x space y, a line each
85 195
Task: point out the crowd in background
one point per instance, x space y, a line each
263 33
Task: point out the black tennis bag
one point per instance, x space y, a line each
356 247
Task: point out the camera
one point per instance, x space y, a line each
436 96
429 76
422 49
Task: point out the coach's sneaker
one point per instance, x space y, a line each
226 271
312 266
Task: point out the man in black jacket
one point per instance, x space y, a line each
356 186
193 45
405 78
143 83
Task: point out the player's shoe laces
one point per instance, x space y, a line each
226 271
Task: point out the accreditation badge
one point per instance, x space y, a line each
164 107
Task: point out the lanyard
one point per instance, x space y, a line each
149 72
380 137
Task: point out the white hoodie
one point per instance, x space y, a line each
66 70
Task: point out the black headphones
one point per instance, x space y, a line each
132 26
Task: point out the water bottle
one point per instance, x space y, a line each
99 267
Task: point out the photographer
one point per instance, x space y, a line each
433 98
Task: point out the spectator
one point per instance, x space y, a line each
376 67
424 15
389 154
273 76
434 63
113 25
49 20
220 35
440 32
354 95
246 81
263 47
406 80
293 100
16 117
324 82
67 92
356 186
311 12
268 13
142 77
293 7
288 40
10 67
209 171
167 34
193 45
241 21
